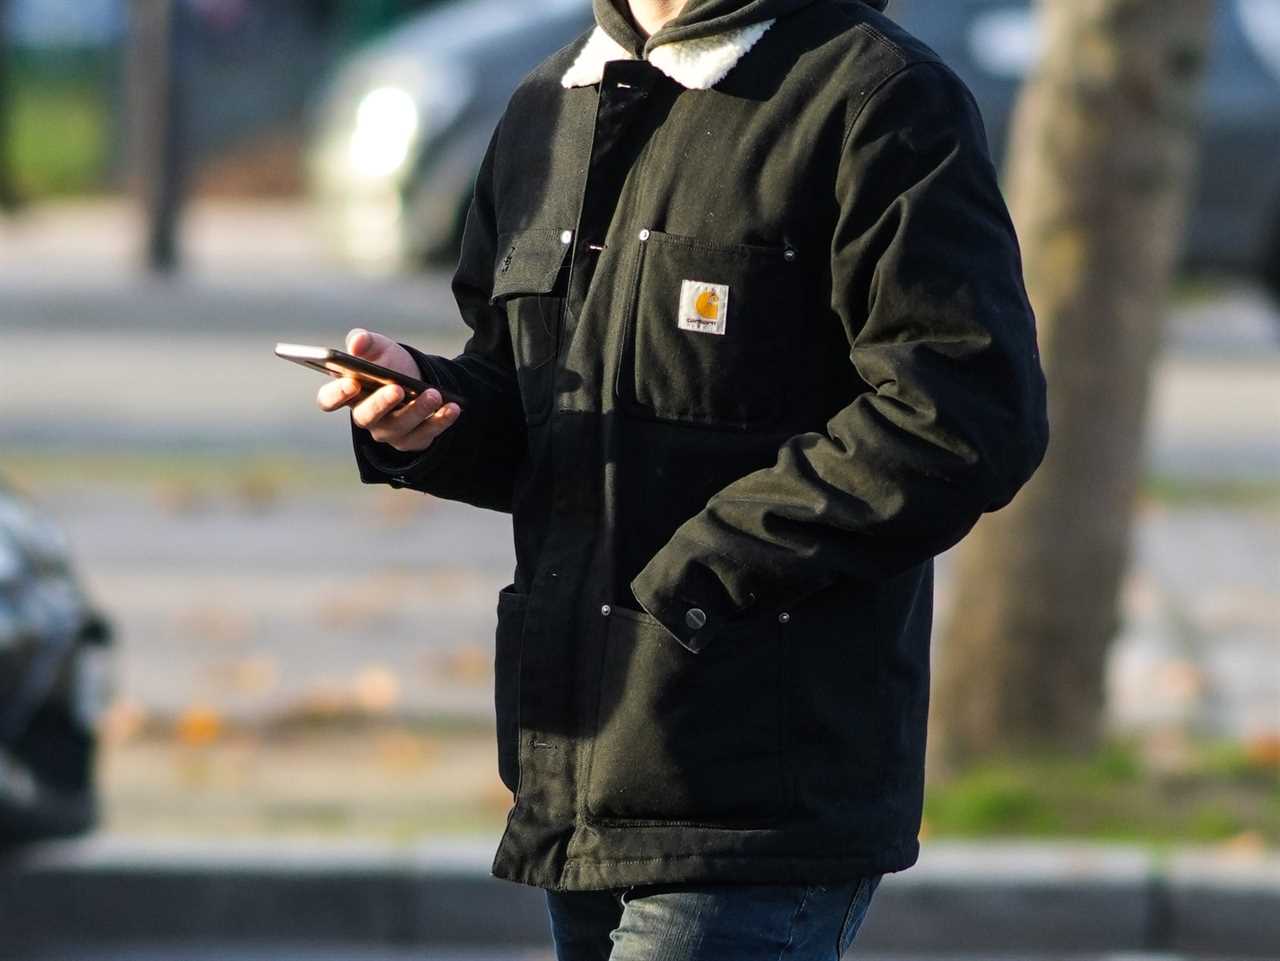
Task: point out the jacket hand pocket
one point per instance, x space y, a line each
530 278
706 324
508 646
688 737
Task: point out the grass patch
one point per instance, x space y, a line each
61 127
1210 491
1112 796
204 474
243 470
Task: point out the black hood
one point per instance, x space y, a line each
699 18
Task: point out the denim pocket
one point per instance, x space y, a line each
856 913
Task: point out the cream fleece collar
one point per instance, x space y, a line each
697 63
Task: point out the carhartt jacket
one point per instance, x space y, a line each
750 346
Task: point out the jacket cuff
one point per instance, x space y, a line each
380 463
687 598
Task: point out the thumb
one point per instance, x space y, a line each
367 344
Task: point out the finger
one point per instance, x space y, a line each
422 436
358 340
370 345
407 417
377 405
338 393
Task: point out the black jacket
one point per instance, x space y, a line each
743 361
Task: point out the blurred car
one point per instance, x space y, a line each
53 681
402 129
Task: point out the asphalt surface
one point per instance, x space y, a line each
231 952
100 363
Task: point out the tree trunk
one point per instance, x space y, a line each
1101 163
158 143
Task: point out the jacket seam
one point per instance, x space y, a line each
903 67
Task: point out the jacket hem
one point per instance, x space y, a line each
597 874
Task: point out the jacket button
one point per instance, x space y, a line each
695 618
566 236
605 609
784 618
644 234
788 255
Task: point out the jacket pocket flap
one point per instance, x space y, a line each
529 262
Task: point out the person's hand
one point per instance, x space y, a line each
411 427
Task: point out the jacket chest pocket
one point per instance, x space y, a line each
706 325
530 280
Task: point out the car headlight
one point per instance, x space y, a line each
391 107
1261 20
1007 42
387 121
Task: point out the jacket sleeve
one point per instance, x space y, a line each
476 459
927 282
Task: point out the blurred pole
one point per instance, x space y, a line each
158 137
8 186
1101 163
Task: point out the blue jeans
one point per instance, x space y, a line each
717 922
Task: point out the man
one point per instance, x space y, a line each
749 347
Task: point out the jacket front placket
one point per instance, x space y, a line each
624 104
563 629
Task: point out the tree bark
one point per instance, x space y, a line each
158 142
1101 163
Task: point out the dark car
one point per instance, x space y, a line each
53 681
403 127
1235 224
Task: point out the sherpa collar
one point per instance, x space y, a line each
697 63
696 48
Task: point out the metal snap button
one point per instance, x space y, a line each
605 609
644 234
695 618
566 236
784 618
788 255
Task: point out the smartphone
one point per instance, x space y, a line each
338 363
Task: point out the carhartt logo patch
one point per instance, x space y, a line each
703 307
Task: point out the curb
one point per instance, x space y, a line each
960 898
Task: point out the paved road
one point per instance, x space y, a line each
364 953
96 363
252 609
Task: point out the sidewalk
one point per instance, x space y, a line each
77 317
102 365
73 267
961 898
